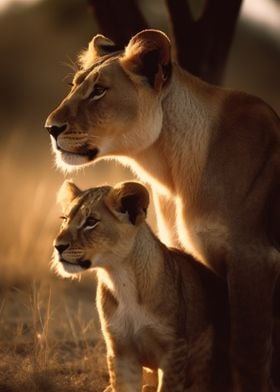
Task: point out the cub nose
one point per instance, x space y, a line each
55 130
61 248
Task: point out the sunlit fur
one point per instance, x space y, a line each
122 121
65 271
157 306
69 163
212 158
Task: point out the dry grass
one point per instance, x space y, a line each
50 339
49 331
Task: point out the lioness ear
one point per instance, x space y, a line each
149 54
99 46
67 193
102 45
129 198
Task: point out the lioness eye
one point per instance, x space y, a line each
98 92
90 223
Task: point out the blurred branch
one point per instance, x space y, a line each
218 25
119 20
203 45
183 28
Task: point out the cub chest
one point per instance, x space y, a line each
132 327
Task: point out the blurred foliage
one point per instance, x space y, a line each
34 41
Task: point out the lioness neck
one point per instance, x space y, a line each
190 109
135 276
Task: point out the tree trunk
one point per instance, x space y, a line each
202 46
118 20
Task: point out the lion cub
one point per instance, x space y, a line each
159 308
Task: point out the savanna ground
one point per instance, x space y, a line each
49 331
50 338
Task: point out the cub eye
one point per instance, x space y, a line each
90 223
64 218
98 92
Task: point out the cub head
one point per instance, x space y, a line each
99 225
114 106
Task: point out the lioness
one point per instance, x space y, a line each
158 307
212 158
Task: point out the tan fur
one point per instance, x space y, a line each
212 157
158 307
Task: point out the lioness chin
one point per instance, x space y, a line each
158 307
212 158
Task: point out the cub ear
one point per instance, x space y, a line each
130 198
67 193
149 54
99 46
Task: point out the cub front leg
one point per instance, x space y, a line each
251 280
175 374
165 209
190 367
125 373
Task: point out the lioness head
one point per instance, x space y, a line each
114 106
99 225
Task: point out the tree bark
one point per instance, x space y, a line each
203 45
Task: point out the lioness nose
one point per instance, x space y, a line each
61 248
55 130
